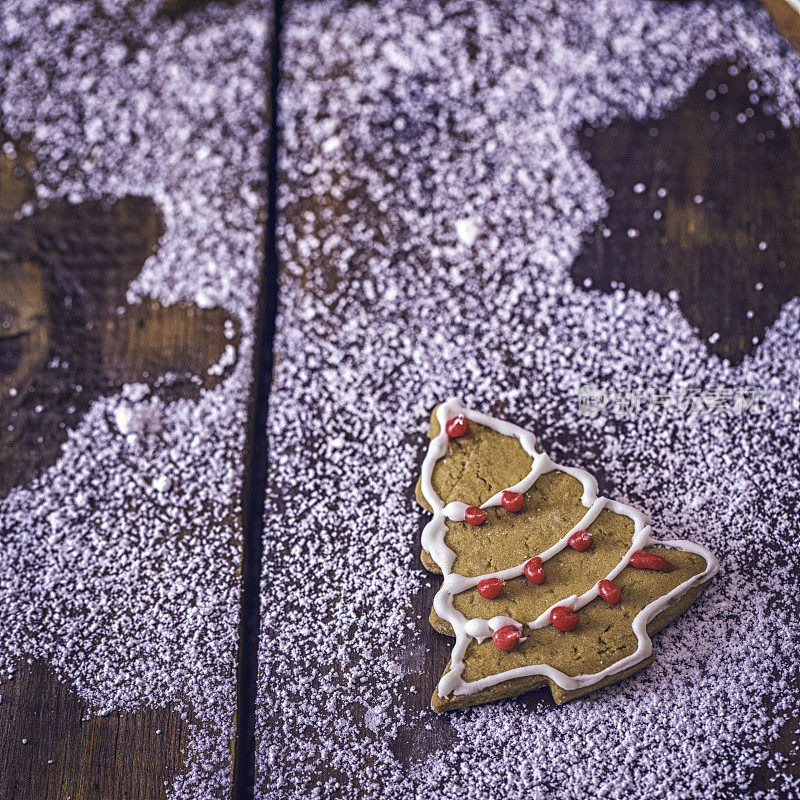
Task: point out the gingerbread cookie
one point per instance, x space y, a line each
544 581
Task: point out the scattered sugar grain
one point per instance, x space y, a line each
122 101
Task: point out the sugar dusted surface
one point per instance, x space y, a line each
399 121
120 565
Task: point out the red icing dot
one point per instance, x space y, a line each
563 618
642 560
490 588
609 591
506 638
511 501
475 515
458 426
533 570
580 541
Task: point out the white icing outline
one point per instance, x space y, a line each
433 537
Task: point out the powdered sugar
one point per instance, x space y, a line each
120 565
463 111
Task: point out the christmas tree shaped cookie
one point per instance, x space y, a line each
544 581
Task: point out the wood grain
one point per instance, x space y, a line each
177 8
51 746
68 336
699 206
67 333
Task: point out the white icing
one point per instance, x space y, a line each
433 541
481 629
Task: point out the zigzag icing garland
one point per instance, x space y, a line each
433 541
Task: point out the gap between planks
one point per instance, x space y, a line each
255 483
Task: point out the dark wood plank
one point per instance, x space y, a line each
691 219
67 337
52 746
67 334
729 182
177 8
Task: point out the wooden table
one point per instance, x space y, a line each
68 336
50 744
50 747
